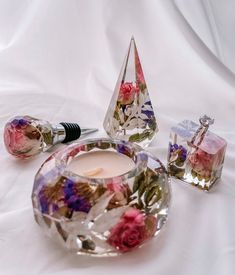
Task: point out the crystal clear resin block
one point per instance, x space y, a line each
130 115
200 162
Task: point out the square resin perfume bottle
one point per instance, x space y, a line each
195 154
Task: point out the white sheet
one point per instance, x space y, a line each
214 23
59 60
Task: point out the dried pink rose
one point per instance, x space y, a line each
21 138
132 230
201 162
127 93
16 140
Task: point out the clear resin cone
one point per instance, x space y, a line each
130 115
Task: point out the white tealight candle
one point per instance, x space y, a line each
101 164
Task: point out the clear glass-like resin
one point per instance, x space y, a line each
130 115
199 165
101 216
25 136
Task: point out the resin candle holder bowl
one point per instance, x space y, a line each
101 216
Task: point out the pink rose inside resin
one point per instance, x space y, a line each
207 160
127 93
201 162
21 138
133 229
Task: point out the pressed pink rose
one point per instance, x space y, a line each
127 93
201 162
131 231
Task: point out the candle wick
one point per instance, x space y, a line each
93 172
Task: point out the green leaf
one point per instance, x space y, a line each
193 173
179 162
134 137
116 115
138 179
136 185
152 195
175 171
152 124
103 145
142 188
140 204
47 137
151 134
142 86
90 146
139 137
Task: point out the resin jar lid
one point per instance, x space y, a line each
101 216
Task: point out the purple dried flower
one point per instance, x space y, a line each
43 203
148 113
180 150
72 198
19 122
78 203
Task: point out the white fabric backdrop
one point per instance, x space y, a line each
214 23
59 60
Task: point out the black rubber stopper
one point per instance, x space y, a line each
72 131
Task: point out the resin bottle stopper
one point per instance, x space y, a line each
196 155
25 136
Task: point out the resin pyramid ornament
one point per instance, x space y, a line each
130 115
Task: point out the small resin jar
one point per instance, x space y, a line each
101 216
196 155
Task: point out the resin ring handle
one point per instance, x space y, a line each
205 122
25 136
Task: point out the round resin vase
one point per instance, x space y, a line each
101 216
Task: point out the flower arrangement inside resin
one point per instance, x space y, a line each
130 116
25 136
199 165
98 216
